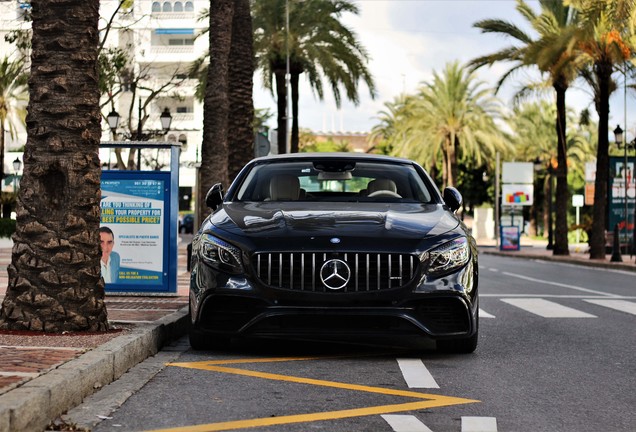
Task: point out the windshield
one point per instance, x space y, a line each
334 181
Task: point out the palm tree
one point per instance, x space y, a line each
550 58
319 46
54 276
13 99
216 104
240 76
601 40
453 116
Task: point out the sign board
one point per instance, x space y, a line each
510 238
589 194
517 194
577 200
622 197
517 172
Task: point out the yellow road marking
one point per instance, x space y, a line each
430 400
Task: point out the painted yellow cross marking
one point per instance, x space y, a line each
423 400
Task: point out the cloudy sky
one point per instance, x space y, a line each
407 41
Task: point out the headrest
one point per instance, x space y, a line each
381 184
284 188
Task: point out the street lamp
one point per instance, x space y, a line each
621 142
113 122
17 164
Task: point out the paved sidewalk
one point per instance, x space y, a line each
43 376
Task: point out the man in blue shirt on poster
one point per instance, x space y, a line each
110 260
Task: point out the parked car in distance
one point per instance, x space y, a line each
186 223
334 245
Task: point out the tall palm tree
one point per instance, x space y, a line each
453 115
54 276
240 84
601 40
216 104
550 58
318 45
13 99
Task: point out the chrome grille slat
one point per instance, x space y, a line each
300 271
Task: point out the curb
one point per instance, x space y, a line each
587 263
33 405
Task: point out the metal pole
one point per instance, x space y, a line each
497 200
287 78
139 137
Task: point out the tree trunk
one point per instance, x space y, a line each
55 283
603 73
281 100
562 193
2 131
294 97
214 149
241 66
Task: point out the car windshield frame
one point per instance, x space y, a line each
336 180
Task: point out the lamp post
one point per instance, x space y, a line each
627 179
17 164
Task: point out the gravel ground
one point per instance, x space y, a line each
68 340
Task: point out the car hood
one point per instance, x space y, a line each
361 220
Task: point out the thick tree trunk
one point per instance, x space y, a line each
562 193
597 241
214 149
55 283
241 66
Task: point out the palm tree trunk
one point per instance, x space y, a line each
214 149
2 131
603 73
562 193
281 100
241 64
55 283
294 96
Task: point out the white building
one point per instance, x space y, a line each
161 38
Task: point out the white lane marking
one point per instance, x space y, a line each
479 424
574 287
619 305
582 297
415 374
405 423
484 314
494 270
546 309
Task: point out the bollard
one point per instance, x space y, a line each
616 250
189 255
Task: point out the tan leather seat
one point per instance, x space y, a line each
284 188
381 185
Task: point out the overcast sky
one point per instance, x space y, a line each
407 41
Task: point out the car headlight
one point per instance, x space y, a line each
447 257
220 254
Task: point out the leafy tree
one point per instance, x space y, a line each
13 98
319 46
55 283
452 118
551 58
601 40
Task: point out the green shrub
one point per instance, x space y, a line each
7 227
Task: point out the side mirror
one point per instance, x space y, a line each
214 197
452 198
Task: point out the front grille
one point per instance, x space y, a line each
300 271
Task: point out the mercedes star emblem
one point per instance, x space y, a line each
335 274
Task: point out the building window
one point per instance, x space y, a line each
178 7
167 7
156 7
189 6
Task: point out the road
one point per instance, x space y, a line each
556 353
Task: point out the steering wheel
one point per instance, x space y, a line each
384 193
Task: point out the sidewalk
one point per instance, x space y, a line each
43 376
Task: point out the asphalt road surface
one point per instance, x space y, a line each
556 353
